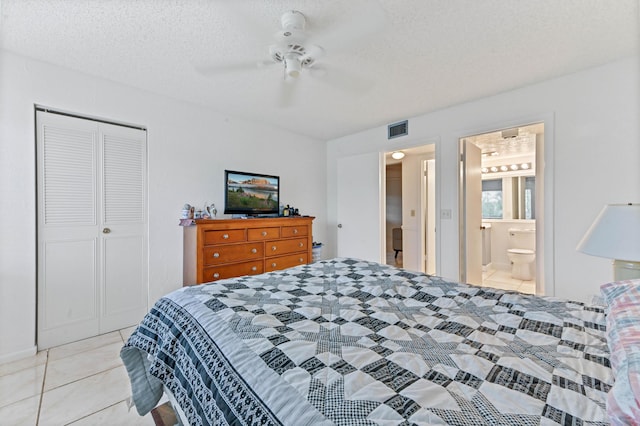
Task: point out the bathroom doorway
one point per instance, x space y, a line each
501 199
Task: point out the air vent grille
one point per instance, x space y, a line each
398 129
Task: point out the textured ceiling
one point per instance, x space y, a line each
385 60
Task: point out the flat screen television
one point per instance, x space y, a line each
251 194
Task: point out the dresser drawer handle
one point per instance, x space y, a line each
254 250
301 260
225 236
216 275
295 231
253 268
264 233
216 255
301 244
273 248
273 264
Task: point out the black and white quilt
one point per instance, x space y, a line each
351 342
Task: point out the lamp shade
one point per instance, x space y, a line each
615 234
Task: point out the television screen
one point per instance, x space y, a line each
251 194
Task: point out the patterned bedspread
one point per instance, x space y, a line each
350 342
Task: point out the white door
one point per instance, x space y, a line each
359 207
429 215
471 235
92 249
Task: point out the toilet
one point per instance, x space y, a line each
521 252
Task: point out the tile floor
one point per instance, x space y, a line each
394 260
491 278
81 383
502 280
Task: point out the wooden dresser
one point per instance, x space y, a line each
225 248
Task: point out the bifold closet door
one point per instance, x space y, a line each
92 228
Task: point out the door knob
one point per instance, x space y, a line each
106 230
339 225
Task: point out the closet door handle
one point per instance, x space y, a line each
106 231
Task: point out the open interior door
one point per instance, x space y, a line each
359 211
471 216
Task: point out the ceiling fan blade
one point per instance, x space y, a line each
349 25
211 70
287 92
341 79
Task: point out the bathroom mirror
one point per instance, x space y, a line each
509 197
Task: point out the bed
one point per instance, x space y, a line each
351 342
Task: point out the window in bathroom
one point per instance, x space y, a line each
492 199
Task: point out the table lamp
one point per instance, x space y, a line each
615 234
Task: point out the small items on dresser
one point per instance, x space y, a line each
210 211
288 211
189 213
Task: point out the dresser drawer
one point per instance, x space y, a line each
225 236
276 248
294 231
214 273
288 261
261 234
232 253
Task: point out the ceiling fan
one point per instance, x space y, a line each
297 50
292 48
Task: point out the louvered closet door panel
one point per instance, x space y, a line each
124 160
68 287
124 251
69 176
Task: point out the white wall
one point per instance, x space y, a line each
188 149
592 135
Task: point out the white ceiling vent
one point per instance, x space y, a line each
398 129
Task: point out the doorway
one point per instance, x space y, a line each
410 205
501 199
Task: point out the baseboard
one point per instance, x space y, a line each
15 356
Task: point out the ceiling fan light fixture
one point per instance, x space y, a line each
292 67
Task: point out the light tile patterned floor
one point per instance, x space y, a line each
82 383
502 280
